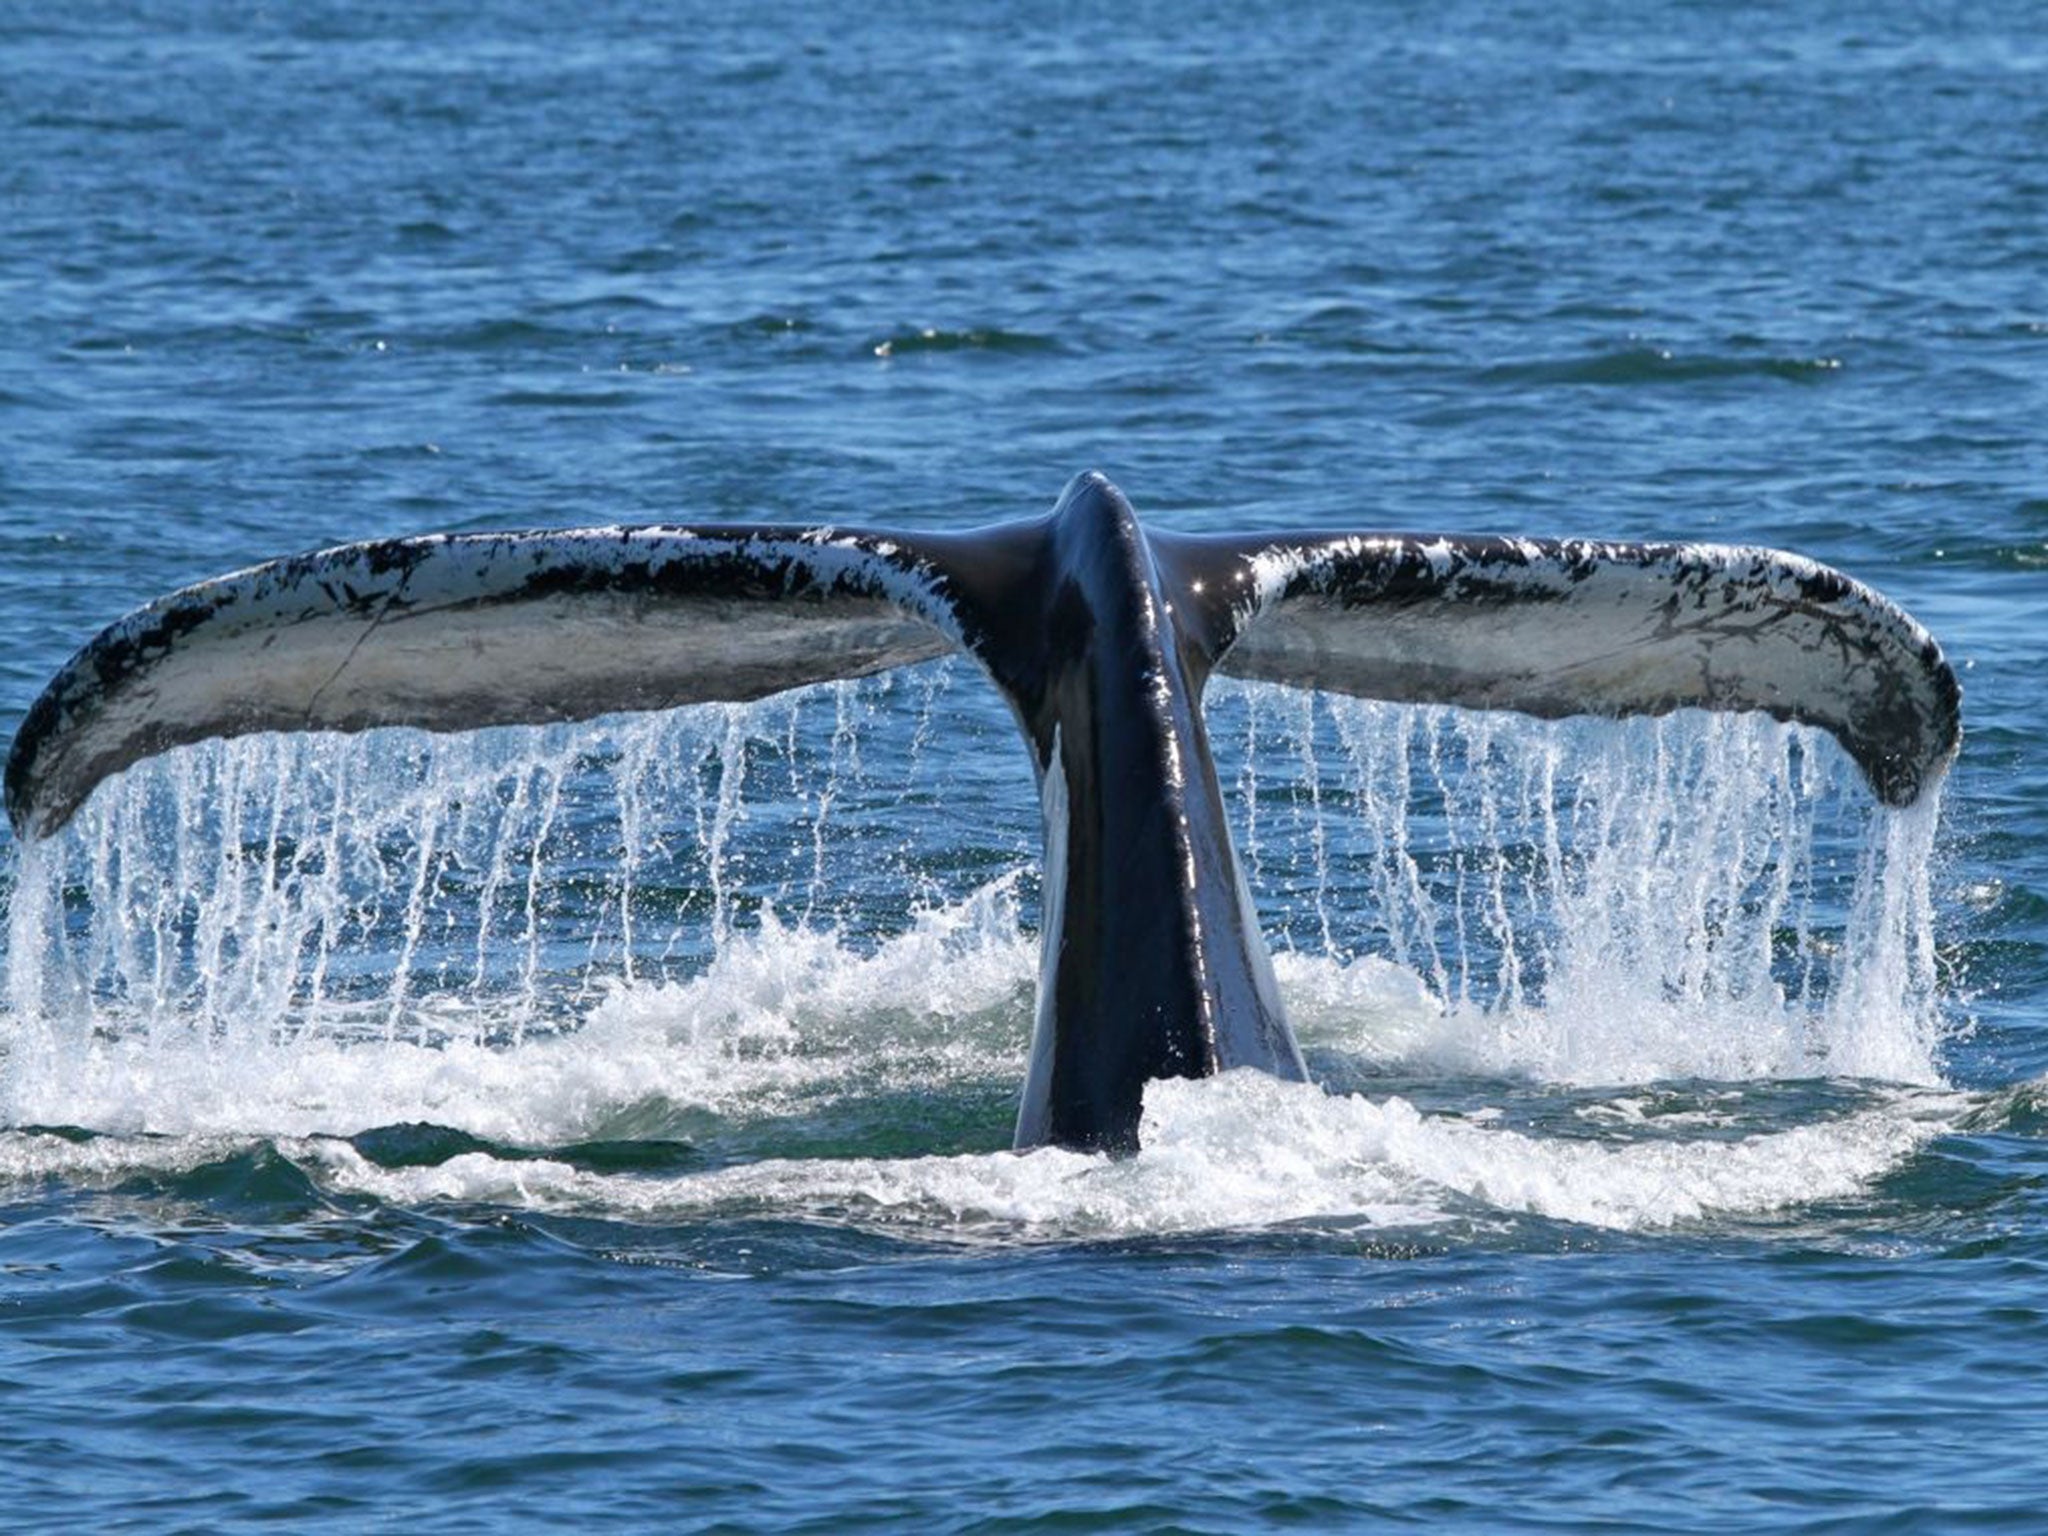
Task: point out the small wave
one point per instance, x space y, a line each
378 452
105 342
2019 1110
500 335
570 399
33 1154
639 260
1656 365
603 301
905 343
786 337
1351 328
43 398
1242 1151
430 232
96 123
772 325
2030 556
319 314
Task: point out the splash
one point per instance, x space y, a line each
385 884
1240 1151
707 924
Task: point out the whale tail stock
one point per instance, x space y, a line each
1101 635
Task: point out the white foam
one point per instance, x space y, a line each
1240 1151
785 1017
29 1156
1611 1030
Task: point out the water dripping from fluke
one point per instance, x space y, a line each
1102 637
736 913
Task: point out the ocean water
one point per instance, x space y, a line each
606 1127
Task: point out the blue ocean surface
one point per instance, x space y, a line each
606 1127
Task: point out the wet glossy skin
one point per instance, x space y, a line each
1153 963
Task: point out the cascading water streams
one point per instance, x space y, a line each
1590 901
823 905
381 884
226 934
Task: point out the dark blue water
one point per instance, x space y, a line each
605 1128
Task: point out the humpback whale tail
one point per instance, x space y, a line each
1101 635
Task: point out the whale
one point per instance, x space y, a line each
1102 635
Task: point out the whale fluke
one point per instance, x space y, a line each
1552 627
452 632
1100 635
